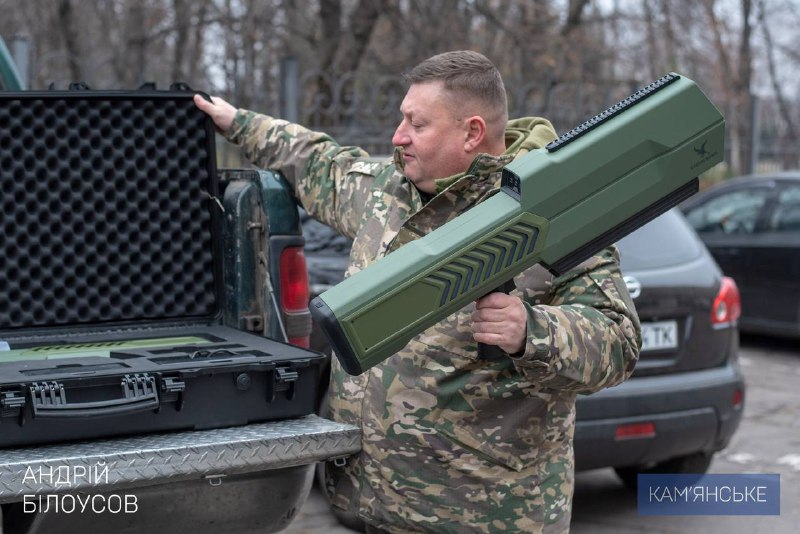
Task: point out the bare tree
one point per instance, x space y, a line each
341 50
561 59
736 78
182 20
651 40
67 29
790 157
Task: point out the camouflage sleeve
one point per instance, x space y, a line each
323 173
586 336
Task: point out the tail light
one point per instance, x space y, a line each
738 398
727 304
294 296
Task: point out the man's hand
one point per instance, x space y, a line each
219 110
501 320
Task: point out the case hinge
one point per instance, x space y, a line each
79 86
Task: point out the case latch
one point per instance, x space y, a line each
12 403
284 375
173 389
284 379
173 385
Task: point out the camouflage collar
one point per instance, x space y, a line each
484 165
481 176
454 196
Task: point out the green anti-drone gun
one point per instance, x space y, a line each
557 206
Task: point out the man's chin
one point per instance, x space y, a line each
425 186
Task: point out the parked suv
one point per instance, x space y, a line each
685 398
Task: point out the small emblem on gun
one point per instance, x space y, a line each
701 150
704 154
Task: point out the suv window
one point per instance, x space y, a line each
786 217
666 240
734 212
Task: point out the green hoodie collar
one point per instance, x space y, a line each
522 136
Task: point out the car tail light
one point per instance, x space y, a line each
302 342
294 291
727 304
635 430
294 280
738 398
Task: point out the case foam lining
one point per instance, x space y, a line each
106 214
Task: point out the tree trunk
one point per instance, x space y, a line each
743 83
790 158
182 20
70 39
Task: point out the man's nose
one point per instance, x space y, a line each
400 138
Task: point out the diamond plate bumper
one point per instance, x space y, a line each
156 459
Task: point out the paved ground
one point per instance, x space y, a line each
768 441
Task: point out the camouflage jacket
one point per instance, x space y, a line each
452 443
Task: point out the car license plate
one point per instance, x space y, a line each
659 335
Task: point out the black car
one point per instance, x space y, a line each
685 398
751 225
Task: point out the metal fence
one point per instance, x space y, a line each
774 147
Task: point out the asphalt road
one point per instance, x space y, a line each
768 441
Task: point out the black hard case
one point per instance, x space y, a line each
111 226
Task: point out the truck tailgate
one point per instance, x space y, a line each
114 464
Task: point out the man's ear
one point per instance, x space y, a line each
475 133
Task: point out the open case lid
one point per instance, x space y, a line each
107 209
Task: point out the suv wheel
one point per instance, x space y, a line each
693 463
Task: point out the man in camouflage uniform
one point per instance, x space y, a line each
453 443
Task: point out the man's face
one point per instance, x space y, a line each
432 136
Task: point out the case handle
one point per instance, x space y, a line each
139 394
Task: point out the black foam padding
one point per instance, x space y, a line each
106 212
